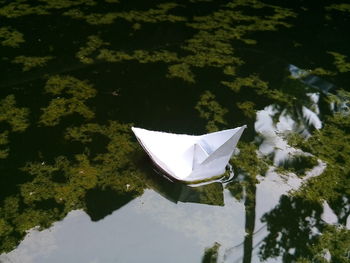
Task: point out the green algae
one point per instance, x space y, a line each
340 62
75 93
62 4
210 47
3 141
248 108
8 211
211 111
230 70
322 72
58 85
249 164
29 63
298 164
10 37
248 161
16 117
113 55
226 26
23 8
339 7
111 168
80 176
252 81
94 43
136 26
182 71
294 225
211 254
261 88
93 19
142 56
331 145
334 243
153 15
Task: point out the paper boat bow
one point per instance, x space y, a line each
190 158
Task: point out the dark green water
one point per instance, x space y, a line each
75 186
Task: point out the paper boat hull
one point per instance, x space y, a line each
189 158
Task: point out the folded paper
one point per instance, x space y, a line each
190 157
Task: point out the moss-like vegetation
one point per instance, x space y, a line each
23 8
298 164
330 144
65 182
153 15
211 254
210 46
339 7
142 56
93 43
210 110
340 62
322 72
31 62
230 70
261 88
20 8
74 91
334 243
248 161
10 37
182 71
248 108
213 42
3 141
16 117
61 4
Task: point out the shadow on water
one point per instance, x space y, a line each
103 202
211 193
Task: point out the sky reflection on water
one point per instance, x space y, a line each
74 184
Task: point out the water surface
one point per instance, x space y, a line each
75 186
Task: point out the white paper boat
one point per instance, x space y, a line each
190 158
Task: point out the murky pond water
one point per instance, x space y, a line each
75 186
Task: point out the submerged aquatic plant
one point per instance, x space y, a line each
211 254
16 118
334 182
182 71
23 8
210 110
339 7
153 15
74 91
340 62
3 141
93 44
261 88
334 244
10 37
31 62
248 108
66 182
142 56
